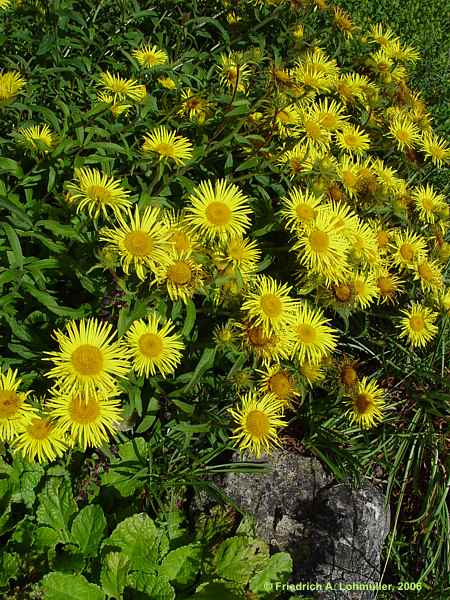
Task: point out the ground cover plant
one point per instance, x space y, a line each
218 233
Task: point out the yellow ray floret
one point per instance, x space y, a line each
13 406
39 138
11 84
407 247
88 360
353 140
417 326
182 276
141 240
367 404
257 422
38 438
219 212
436 148
97 193
167 145
404 131
88 420
428 203
269 304
269 348
121 88
150 56
429 273
279 381
154 347
241 253
233 73
313 337
299 208
366 289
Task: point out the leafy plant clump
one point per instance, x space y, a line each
220 235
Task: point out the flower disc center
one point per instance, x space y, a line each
87 360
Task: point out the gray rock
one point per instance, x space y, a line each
334 533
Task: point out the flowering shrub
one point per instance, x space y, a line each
220 234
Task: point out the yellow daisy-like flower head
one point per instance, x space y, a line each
11 84
154 347
121 88
268 348
150 56
182 276
407 248
88 361
38 438
299 208
417 326
116 108
196 108
353 140
388 284
269 304
167 82
142 241
257 422
344 22
13 406
224 336
97 193
279 382
313 337
312 373
365 288
435 148
323 248
404 131
233 73
428 203
314 133
241 253
38 138
331 114
167 145
367 404
180 234
88 420
219 212
4 4
429 273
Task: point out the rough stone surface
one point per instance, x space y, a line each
334 533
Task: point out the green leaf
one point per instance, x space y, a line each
63 586
206 362
88 528
279 568
183 564
219 590
7 165
56 506
138 538
9 567
251 163
45 537
114 574
157 587
191 315
15 245
239 557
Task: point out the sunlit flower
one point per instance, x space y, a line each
167 145
39 138
13 405
150 56
37 437
367 404
120 88
313 337
417 326
11 84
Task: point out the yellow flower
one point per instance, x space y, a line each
299 208
37 437
429 274
116 108
343 21
142 241
13 406
428 203
366 289
197 109
381 35
315 134
436 148
404 131
224 336
417 326
167 83
353 140
88 361
351 87
279 382
183 277
120 88
39 138
323 249
388 285
180 234
241 253
266 347
11 84
150 56
407 248
153 347
269 304
312 373
4 4
87 419
168 145
98 193
233 73
313 338
257 423
367 404
386 176
348 173
220 212
330 113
